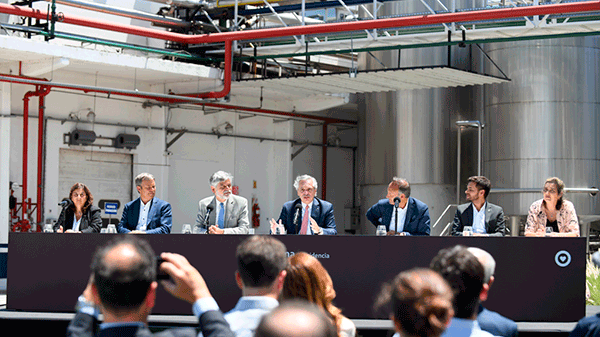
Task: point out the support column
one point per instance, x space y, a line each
5 121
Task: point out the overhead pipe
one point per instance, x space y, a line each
165 98
417 20
158 20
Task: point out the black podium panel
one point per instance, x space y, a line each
537 279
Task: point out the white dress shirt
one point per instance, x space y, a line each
401 218
479 219
143 218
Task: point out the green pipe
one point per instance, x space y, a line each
128 46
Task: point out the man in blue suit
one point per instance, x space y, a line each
146 214
412 215
306 215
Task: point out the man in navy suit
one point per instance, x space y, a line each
412 215
486 218
488 320
306 215
146 214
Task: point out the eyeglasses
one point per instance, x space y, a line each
551 191
82 195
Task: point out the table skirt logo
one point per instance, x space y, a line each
562 258
315 255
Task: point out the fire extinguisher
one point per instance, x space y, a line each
255 213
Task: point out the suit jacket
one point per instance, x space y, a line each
417 216
321 211
496 324
494 219
91 220
212 324
236 214
159 217
587 326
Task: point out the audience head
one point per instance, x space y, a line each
464 274
124 273
553 191
81 194
307 279
476 186
487 262
296 319
420 302
261 263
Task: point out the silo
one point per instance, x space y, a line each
412 133
544 122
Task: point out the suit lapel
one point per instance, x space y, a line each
136 211
315 212
469 215
409 213
212 217
228 211
151 212
488 212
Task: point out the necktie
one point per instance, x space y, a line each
221 219
304 227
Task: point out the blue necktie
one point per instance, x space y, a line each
221 219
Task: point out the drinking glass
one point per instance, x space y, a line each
111 229
48 228
187 229
380 230
468 231
549 231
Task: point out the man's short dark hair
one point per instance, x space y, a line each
124 287
284 321
464 273
260 259
482 183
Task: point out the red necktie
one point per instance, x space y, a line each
304 227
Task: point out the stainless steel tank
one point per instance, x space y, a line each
544 122
411 133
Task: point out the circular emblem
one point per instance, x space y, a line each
562 258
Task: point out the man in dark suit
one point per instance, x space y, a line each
412 215
488 320
122 286
146 214
486 218
306 215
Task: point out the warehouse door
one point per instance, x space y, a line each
109 176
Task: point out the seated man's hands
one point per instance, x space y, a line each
187 283
215 230
315 227
275 225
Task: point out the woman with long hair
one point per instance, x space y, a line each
79 215
306 278
553 211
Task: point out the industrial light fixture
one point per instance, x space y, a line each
82 137
127 141
226 126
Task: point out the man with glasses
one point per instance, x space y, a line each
486 218
228 212
307 215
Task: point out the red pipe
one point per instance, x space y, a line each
417 20
45 91
226 77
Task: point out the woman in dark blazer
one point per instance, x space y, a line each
79 215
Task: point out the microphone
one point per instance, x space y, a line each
396 202
209 209
297 213
65 203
